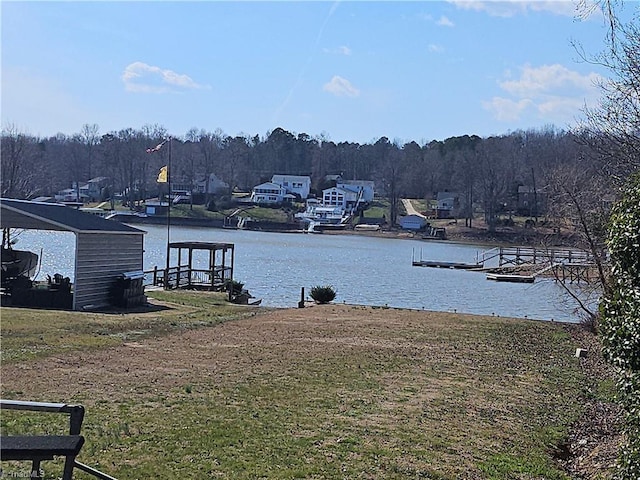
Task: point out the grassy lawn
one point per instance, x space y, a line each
54 331
198 388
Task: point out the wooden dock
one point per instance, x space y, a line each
525 264
438 264
531 255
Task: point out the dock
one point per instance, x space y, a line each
438 264
525 264
505 277
219 258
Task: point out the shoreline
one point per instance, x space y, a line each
506 236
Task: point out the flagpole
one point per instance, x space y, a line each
168 214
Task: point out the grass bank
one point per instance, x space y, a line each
200 389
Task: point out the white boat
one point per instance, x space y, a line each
18 263
318 217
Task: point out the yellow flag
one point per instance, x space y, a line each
162 176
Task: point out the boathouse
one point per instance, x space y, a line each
105 250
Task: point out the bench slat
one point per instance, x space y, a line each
32 406
43 447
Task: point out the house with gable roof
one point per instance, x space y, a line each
294 184
269 193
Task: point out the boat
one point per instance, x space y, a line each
318 217
365 227
319 227
18 263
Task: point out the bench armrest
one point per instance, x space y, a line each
75 412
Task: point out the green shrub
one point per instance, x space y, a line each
323 294
620 325
233 285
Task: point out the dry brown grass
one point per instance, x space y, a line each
330 391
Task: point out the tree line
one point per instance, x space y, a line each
485 172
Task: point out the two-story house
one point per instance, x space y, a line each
294 184
364 187
448 205
269 193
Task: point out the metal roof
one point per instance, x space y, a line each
51 216
201 245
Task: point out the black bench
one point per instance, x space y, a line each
37 448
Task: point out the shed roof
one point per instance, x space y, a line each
201 245
52 216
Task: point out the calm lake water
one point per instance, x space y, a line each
364 270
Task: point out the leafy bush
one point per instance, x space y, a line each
323 294
620 326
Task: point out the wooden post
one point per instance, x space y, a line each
301 302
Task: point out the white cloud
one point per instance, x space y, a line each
445 22
339 87
549 92
434 48
500 8
547 79
507 110
341 50
140 77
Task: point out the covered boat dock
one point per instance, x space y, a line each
105 251
217 257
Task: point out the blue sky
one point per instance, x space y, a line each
350 70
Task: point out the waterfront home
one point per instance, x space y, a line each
531 201
210 184
364 187
71 195
294 184
340 197
269 193
95 189
448 205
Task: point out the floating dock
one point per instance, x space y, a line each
504 277
437 264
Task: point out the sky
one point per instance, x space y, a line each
350 71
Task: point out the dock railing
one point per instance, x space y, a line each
185 277
534 255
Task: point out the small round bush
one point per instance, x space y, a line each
323 294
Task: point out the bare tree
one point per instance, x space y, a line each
612 128
493 172
17 163
90 137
